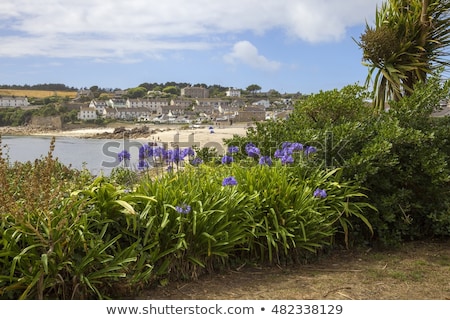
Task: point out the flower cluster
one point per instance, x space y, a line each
285 154
152 153
265 160
320 193
309 150
251 150
184 208
288 149
197 161
123 155
233 149
229 181
226 159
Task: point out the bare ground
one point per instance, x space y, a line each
414 271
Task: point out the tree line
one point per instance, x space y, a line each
41 86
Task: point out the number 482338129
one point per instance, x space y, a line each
307 309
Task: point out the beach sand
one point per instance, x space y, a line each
201 136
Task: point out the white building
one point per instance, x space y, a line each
98 105
140 114
233 93
87 113
154 105
264 103
14 102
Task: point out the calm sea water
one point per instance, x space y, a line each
96 155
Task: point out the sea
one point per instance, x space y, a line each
99 156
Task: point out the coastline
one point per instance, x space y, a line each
201 135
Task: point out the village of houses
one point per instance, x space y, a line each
193 106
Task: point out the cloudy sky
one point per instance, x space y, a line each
287 45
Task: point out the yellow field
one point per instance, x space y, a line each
37 93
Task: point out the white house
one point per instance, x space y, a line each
154 105
233 93
98 105
117 103
14 102
264 103
109 113
87 113
141 114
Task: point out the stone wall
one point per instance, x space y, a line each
51 122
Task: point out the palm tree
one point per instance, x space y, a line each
408 41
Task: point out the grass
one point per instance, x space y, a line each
415 270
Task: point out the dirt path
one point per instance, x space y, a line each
418 271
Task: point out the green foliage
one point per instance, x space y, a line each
408 43
332 107
400 156
123 176
14 116
288 220
137 92
174 90
73 237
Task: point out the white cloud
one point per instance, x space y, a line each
247 53
67 28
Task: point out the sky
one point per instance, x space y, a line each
286 45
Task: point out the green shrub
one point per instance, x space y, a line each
401 158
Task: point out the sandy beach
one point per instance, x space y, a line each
201 136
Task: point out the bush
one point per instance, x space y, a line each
400 156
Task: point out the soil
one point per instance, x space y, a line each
413 271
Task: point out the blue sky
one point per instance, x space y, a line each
286 45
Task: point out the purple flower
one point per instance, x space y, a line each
123 155
320 193
142 164
187 152
174 155
229 181
197 161
286 159
184 208
159 152
253 152
309 150
233 149
145 151
226 159
248 146
265 160
279 153
296 146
